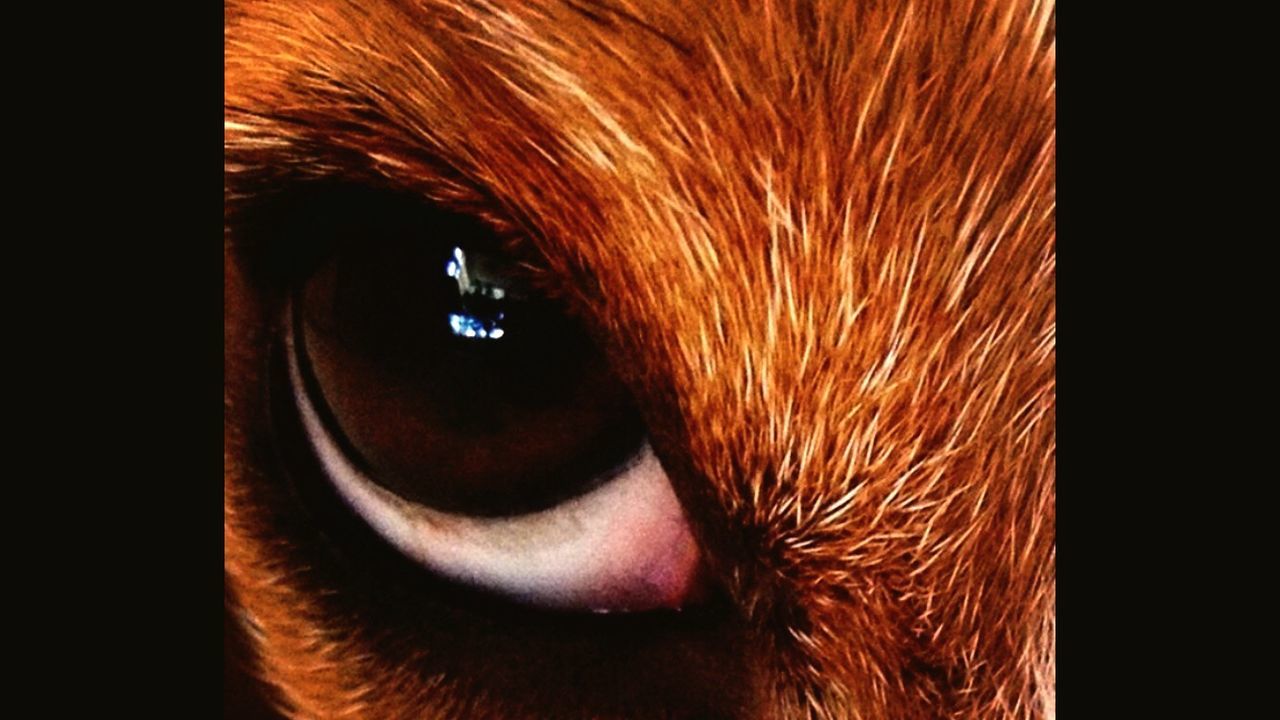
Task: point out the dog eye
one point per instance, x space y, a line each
474 426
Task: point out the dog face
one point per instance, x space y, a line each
809 246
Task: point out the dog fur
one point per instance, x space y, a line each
816 239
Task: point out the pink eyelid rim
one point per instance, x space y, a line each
624 546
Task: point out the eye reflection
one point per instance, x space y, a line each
479 316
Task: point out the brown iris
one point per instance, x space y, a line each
448 382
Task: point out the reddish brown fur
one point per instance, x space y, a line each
818 238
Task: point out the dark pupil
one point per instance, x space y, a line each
453 385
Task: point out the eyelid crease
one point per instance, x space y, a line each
623 546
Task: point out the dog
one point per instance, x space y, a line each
796 260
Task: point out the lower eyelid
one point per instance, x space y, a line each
623 546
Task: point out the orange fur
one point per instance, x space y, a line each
817 238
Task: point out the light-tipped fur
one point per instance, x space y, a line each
817 238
